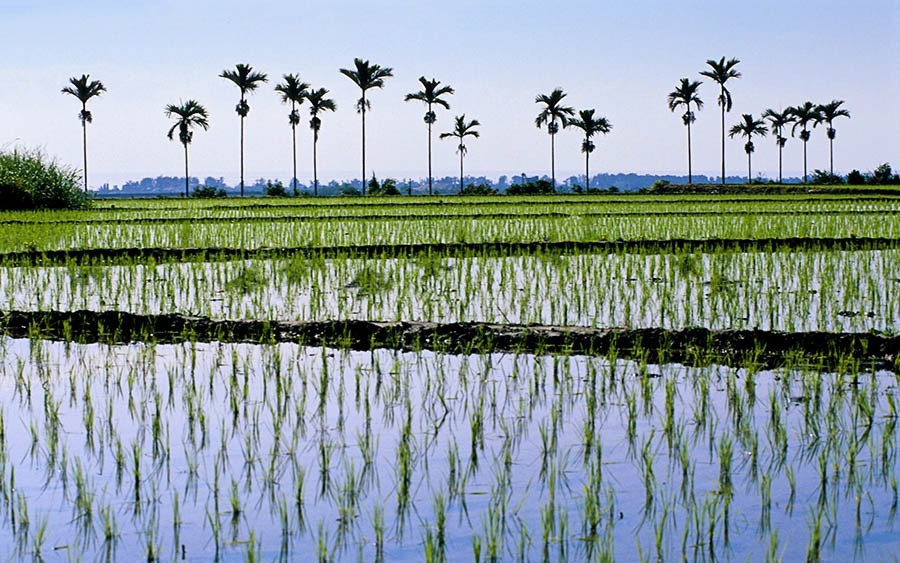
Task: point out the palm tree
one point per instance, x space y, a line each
747 128
293 91
720 72
84 89
590 125
778 121
247 81
829 112
553 111
317 102
189 114
430 94
461 130
366 76
685 95
803 116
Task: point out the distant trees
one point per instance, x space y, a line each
553 115
366 76
720 72
590 126
84 89
247 81
430 93
317 104
778 121
188 115
685 95
803 115
461 130
748 127
293 92
829 112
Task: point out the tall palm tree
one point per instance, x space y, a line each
747 128
366 76
720 72
247 81
188 114
84 89
553 111
590 125
685 95
830 112
317 103
293 92
804 115
461 130
430 93
778 121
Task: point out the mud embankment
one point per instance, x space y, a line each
487 249
732 347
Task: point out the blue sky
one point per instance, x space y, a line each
621 58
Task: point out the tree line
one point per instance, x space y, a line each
554 115
686 95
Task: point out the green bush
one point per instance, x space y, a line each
29 180
480 189
540 187
276 190
205 192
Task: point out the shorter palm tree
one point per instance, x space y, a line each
317 103
293 92
829 113
84 89
685 95
778 121
590 125
461 130
188 114
430 93
553 115
804 115
366 76
747 128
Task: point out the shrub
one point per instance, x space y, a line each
208 192
29 180
856 178
276 190
884 175
540 187
348 190
825 178
387 187
660 184
480 189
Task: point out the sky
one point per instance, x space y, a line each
621 58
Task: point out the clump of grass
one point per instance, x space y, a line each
30 180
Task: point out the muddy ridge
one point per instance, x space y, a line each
440 217
488 249
736 347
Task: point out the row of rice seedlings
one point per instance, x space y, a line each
791 291
297 452
287 233
256 209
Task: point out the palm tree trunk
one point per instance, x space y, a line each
690 178
429 159
553 159
186 175
749 174
723 136
461 167
831 155
294 134
587 170
84 145
315 170
363 143
242 156
780 148
804 162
